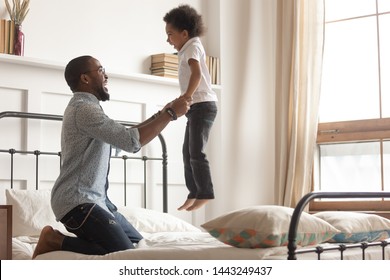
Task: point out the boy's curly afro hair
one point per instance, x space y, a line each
185 17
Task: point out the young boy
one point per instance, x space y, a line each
184 26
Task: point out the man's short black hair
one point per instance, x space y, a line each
74 69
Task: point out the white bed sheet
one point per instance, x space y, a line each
23 247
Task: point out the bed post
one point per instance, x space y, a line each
292 233
164 172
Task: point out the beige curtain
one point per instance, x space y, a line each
298 76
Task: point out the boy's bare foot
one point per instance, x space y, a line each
187 204
198 203
49 240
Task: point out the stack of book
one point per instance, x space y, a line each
165 65
7 36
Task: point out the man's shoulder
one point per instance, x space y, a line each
85 97
80 108
83 101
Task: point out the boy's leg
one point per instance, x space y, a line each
189 178
202 120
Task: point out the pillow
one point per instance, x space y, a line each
31 211
356 227
146 220
267 226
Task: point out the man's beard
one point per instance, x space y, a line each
103 94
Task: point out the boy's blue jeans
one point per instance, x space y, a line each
97 231
200 119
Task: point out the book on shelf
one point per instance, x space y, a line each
11 49
165 57
213 65
164 74
165 64
2 35
7 36
164 70
154 68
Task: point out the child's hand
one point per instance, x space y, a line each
188 97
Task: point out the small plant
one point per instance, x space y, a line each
19 10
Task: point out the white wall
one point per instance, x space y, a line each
123 34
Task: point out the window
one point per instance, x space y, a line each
353 141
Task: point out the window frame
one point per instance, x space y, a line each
354 132
357 131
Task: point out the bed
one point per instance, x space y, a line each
258 232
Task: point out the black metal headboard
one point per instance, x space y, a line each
37 153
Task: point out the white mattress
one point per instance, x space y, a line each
185 246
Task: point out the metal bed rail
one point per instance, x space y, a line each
292 235
37 153
343 247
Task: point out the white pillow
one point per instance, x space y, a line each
267 226
356 227
147 220
31 211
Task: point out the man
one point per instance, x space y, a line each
79 196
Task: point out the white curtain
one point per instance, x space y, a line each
300 25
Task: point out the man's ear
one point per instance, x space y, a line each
84 79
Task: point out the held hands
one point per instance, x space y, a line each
155 124
180 106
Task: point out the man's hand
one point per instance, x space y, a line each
154 125
180 105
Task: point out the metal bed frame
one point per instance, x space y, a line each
292 247
37 153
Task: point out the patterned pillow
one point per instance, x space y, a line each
356 227
267 226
